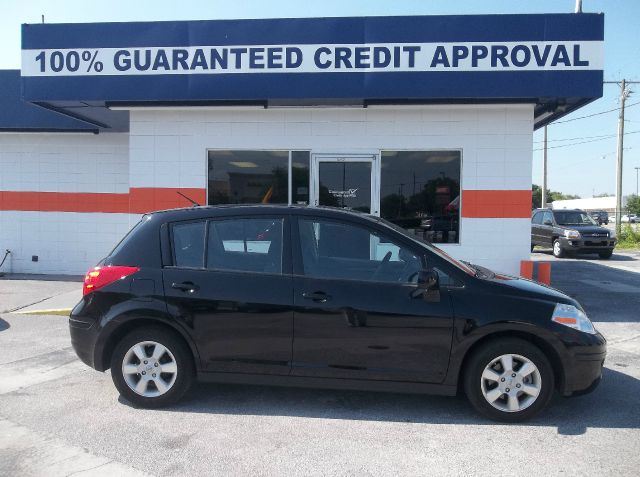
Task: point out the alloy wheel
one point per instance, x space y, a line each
511 383
149 369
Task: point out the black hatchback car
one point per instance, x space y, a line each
321 297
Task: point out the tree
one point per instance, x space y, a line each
633 204
536 196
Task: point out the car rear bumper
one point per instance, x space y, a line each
84 335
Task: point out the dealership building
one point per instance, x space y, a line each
426 121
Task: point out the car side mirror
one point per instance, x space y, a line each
429 284
547 222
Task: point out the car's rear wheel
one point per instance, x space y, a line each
606 254
152 367
509 380
558 251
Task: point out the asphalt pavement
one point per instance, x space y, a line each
59 417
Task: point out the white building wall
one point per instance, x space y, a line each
65 242
168 149
590 203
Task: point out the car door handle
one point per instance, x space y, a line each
317 297
186 287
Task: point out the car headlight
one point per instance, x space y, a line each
569 315
572 234
612 234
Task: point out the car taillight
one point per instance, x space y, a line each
99 277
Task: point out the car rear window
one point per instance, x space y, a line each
127 238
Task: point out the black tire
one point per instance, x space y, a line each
183 360
489 352
605 255
558 251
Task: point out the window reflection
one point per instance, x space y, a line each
257 177
420 191
300 177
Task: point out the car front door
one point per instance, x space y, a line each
357 313
230 284
546 229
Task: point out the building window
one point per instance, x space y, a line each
420 191
258 177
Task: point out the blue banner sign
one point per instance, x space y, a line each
455 57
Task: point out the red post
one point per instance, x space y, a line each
544 273
526 269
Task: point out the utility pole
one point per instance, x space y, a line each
624 94
544 172
637 168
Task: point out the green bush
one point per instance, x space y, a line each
629 237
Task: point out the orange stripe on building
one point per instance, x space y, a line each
496 203
137 201
147 199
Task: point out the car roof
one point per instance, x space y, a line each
560 210
199 212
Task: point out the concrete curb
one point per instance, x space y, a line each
58 311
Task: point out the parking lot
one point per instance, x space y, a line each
59 417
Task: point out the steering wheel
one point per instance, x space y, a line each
384 261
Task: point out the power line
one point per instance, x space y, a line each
595 114
576 138
601 156
602 138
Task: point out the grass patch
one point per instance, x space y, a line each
629 237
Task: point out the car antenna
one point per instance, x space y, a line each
195 204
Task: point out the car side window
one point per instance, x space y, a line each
537 218
245 245
188 244
352 252
548 217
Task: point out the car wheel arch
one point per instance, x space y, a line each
103 354
546 347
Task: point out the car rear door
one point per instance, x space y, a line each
357 313
536 225
230 284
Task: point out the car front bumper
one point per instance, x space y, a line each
588 245
583 372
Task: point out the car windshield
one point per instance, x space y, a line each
435 250
573 218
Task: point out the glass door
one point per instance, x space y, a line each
345 181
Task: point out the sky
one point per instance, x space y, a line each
582 152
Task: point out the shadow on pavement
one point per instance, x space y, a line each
607 294
4 325
588 256
611 405
43 277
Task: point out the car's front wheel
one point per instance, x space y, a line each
152 367
606 254
558 251
509 380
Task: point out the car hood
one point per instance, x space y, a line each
585 229
525 288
